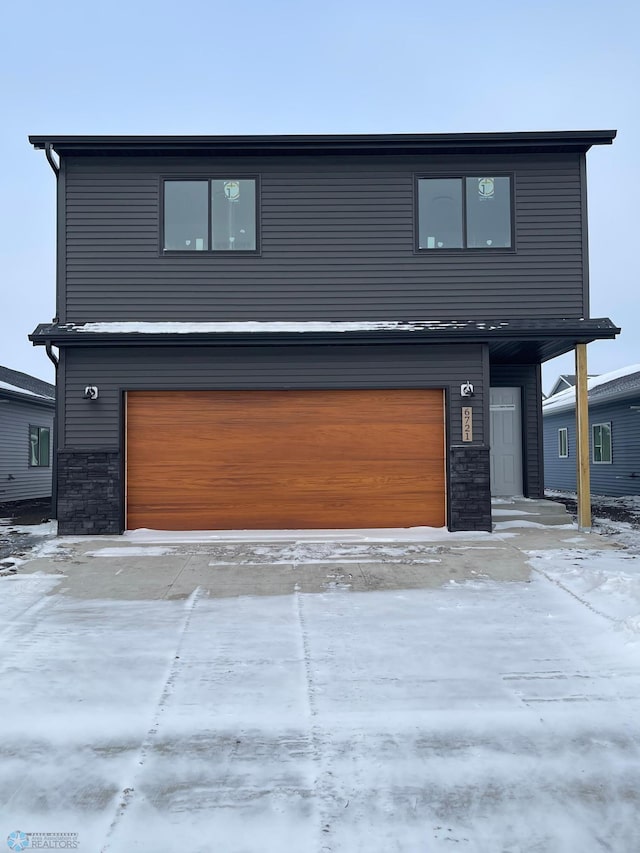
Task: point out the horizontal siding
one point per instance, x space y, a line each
337 242
97 424
622 476
526 377
17 480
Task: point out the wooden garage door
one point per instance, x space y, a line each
200 460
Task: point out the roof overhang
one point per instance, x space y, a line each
508 340
405 143
603 399
30 399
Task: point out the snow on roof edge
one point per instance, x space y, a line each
566 398
185 327
15 389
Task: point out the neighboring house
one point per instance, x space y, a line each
564 381
26 428
311 331
614 435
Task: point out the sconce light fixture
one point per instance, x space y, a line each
91 392
466 390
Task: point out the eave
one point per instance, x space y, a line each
406 143
508 340
29 399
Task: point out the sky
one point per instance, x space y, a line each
340 66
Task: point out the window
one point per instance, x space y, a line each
563 443
464 213
38 447
601 442
210 215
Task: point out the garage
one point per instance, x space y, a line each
198 460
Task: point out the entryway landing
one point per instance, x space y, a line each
529 509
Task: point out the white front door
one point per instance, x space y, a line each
506 442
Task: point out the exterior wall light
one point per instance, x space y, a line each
91 392
466 390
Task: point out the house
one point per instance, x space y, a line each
26 425
564 381
614 435
310 331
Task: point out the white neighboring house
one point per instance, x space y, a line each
26 436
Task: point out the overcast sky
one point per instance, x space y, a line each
288 66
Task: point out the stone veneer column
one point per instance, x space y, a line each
469 488
89 492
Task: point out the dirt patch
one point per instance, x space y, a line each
609 509
34 511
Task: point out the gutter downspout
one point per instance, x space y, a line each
54 467
55 166
48 149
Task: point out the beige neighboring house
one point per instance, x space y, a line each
26 436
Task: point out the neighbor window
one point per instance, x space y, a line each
601 442
39 447
464 213
214 214
563 443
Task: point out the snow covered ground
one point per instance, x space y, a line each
479 716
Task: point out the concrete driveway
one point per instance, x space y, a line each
425 693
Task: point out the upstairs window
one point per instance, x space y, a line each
217 214
601 443
465 213
38 447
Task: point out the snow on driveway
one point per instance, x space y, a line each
493 717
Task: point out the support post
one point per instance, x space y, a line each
583 474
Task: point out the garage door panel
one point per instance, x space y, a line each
304 406
264 517
285 459
289 484
321 443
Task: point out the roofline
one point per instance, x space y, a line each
600 400
17 397
572 332
575 140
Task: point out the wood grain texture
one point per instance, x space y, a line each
285 459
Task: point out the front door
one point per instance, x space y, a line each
506 442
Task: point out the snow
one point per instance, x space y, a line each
252 326
378 534
493 717
131 551
506 525
608 582
47 528
483 716
566 398
495 511
17 390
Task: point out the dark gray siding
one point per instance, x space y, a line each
98 425
527 377
337 242
622 476
18 481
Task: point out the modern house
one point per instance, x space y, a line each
26 425
311 331
614 435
